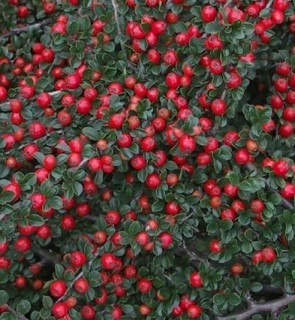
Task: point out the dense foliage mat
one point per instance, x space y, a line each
147 159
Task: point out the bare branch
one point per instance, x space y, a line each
115 7
26 28
269 4
190 253
46 255
270 306
18 315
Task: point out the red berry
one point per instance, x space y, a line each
194 311
172 208
231 190
3 93
59 310
37 130
81 285
57 288
68 222
142 238
268 255
153 181
215 246
148 144
170 57
208 13
37 200
14 187
280 167
242 156
195 280
23 244
227 214
144 285
49 162
218 107
22 11
187 144
109 261
88 312
166 239
172 80
288 191
237 269
83 106
158 27
77 259
215 66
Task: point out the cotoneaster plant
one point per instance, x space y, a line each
147 159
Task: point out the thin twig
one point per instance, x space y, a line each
26 28
255 308
190 253
46 255
187 217
78 276
18 315
115 7
269 4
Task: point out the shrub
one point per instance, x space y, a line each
147 159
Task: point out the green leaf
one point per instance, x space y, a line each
234 299
252 185
45 314
226 224
8 316
158 206
134 228
109 47
59 271
256 286
6 196
223 153
171 165
77 188
4 297
84 23
35 315
47 302
233 178
142 175
55 202
291 307
90 294
39 156
219 299
213 27
35 220
73 27
91 133
23 307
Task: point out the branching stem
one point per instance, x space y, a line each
25 28
115 7
257 308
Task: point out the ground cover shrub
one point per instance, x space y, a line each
147 159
